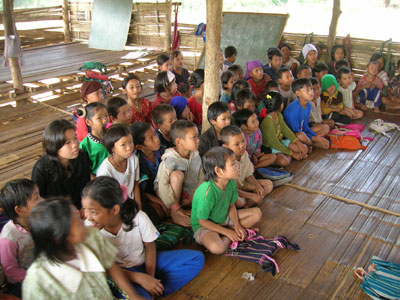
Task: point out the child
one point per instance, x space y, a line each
332 101
164 62
346 87
316 113
237 70
164 116
239 85
256 78
393 101
247 121
275 63
96 120
119 111
152 273
245 99
17 198
147 151
181 74
297 115
320 70
277 135
141 108
230 53
165 88
285 80
179 172
251 191
65 169
227 80
289 62
91 91
70 260
219 116
303 71
195 102
338 52
122 164
215 221
382 75
369 88
181 107
310 53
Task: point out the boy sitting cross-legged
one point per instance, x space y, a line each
250 190
164 116
214 219
179 172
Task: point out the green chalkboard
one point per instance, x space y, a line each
110 24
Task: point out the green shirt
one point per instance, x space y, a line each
211 203
95 150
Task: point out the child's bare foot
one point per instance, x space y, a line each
180 218
377 110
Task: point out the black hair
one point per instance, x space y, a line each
341 71
176 53
273 51
342 63
49 225
107 192
372 62
229 51
237 86
375 56
235 68
159 111
314 81
302 67
320 66
228 131
162 59
281 45
114 134
114 104
242 116
161 83
225 78
216 109
138 130
215 158
92 108
244 95
398 64
281 71
273 101
300 83
270 84
179 128
129 78
15 193
334 48
197 78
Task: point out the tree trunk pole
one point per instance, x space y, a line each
332 29
67 32
167 25
212 59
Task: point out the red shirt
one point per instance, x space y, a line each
258 90
81 129
196 109
160 100
145 114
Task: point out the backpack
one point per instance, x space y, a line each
257 249
277 176
382 281
170 235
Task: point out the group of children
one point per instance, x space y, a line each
130 165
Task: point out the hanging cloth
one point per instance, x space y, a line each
176 40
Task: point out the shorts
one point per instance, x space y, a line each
285 142
201 231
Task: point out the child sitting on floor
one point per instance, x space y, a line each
119 111
164 116
285 80
277 135
165 88
251 191
215 221
346 87
247 121
153 273
332 101
164 62
239 85
179 172
382 74
316 113
256 78
338 53
297 115
230 53
393 101
303 71
195 102
96 121
219 116
17 198
227 81
370 87
237 71
310 54
181 74
320 70
274 63
245 99
181 107
289 62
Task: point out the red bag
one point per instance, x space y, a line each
345 142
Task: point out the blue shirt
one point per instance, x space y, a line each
268 69
297 118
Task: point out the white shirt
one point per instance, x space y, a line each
290 62
127 178
130 243
347 94
316 113
288 94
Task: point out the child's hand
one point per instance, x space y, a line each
232 235
179 217
297 156
254 158
257 198
240 232
260 190
151 284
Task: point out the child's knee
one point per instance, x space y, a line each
282 161
267 185
324 129
256 214
217 247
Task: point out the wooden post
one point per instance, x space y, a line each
67 32
167 25
212 59
332 29
16 74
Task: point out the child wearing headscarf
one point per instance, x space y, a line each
256 78
181 108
